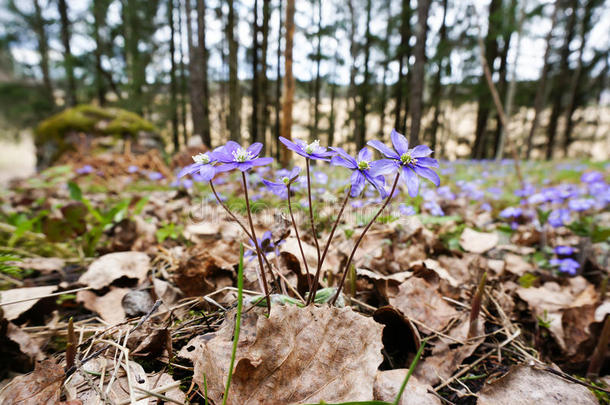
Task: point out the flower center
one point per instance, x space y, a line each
241 155
286 180
312 147
407 159
202 158
364 165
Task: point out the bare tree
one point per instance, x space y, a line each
288 80
234 117
68 57
418 77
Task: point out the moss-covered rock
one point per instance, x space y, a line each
77 127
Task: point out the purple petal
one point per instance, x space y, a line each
358 180
378 183
261 161
383 167
400 142
226 167
365 154
426 161
245 166
230 147
344 155
383 148
427 174
190 169
412 181
207 172
339 161
294 172
420 151
255 149
221 155
290 145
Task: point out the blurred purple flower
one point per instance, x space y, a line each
132 169
154 176
406 210
567 265
233 156
86 169
580 204
559 217
564 250
434 209
486 207
413 162
511 212
592 177
311 151
280 188
363 170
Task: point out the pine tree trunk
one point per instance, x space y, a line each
278 83
234 118
437 86
403 55
484 104
202 70
384 87
331 117
352 90
173 105
254 135
562 80
264 81
195 86
540 98
317 85
288 80
68 57
182 77
99 13
418 77
364 85
43 50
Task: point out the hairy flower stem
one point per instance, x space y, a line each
351 256
312 291
313 225
296 231
258 250
243 227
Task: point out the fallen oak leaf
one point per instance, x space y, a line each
108 268
296 355
41 387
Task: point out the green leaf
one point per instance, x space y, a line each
75 214
56 229
75 191
600 234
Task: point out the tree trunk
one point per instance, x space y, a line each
254 135
562 81
43 50
353 50
182 77
234 118
384 87
173 105
131 26
418 77
278 82
288 80
364 85
202 70
99 20
575 85
317 85
264 81
403 55
333 94
441 54
540 98
68 57
484 107
195 85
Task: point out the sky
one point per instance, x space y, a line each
531 49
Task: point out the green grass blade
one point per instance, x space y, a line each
240 290
411 368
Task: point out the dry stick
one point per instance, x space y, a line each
258 250
599 355
313 225
351 256
243 227
296 231
312 292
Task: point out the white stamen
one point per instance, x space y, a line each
241 155
202 158
312 147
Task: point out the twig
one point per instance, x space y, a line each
45 296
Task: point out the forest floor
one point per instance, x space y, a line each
119 284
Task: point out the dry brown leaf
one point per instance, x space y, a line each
387 385
42 264
296 355
292 246
419 300
108 268
40 387
27 345
109 306
478 242
524 385
516 265
13 311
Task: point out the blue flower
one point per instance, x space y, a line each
592 177
559 217
564 250
363 170
86 169
567 265
580 204
203 167
406 210
281 187
233 156
511 212
154 176
412 162
310 151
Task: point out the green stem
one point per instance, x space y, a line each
410 372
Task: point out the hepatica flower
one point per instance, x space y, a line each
280 188
567 265
412 162
363 170
564 250
311 151
203 166
233 156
